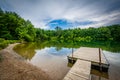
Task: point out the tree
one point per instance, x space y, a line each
1 12
58 28
115 32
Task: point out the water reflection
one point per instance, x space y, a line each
114 68
52 57
52 61
26 50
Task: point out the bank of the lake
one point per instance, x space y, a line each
14 67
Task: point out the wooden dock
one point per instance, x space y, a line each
80 71
86 58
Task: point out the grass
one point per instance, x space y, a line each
4 43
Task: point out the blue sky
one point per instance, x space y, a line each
47 14
64 24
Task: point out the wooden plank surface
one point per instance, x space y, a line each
80 71
89 54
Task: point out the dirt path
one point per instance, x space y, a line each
14 67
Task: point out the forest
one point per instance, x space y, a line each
14 27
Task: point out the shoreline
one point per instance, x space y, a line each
14 67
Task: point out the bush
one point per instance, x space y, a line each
4 43
1 40
28 38
7 36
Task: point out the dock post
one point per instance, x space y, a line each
72 55
100 60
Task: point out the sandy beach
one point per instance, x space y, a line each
14 67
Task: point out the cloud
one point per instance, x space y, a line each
42 12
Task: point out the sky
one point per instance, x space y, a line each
47 14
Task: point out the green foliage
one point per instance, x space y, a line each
28 38
13 27
4 43
77 34
103 33
115 32
1 40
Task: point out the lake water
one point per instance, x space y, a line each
52 57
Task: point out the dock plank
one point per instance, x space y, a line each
84 59
80 71
89 54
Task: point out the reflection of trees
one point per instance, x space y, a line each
105 45
28 50
58 48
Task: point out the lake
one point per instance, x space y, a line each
51 57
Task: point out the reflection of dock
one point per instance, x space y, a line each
85 59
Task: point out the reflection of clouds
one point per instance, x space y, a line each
50 55
61 52
113 58
53 64
114 68
42 51
53 51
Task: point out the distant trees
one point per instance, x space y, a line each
115 32
13 27
77 34
102 33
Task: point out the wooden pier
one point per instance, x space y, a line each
80 71
86 58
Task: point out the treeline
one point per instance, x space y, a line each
77 34
13 27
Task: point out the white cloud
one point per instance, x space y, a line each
37 11
103 20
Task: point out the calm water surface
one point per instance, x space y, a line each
53 60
